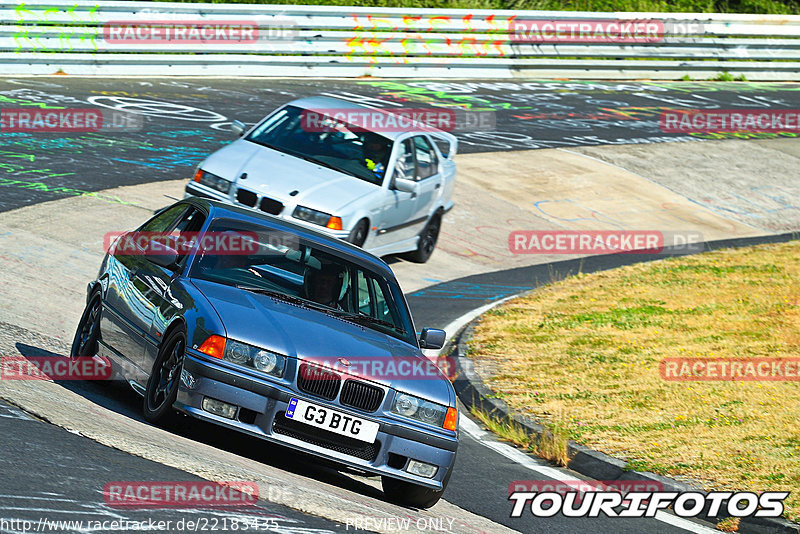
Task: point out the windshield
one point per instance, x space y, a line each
311 135
275 263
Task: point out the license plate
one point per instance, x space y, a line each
332 420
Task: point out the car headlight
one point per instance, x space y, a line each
212 180
257 358
419 409
317 217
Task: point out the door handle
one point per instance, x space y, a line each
438 186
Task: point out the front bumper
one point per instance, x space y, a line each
262 404
197 190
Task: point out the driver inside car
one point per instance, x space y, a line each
324 285
376 153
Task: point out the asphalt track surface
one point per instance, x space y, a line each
185 120
55 475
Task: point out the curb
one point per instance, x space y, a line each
595 464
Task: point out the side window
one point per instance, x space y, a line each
167 226
405 167
427 163
371 299
443 145
381 306
164 221
161 224
364 296
189 223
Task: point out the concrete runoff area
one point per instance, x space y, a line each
753 183
51 250
550 189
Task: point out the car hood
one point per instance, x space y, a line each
278 175
308 334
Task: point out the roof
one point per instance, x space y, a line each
355 254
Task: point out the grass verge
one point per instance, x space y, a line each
590 347
550 445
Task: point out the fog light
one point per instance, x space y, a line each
421 469
223 409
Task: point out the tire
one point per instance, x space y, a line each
84 344
162 386
427 240
408 494
359 233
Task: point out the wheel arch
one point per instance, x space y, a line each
177 323
93 286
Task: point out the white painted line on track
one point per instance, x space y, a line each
453 328
515 455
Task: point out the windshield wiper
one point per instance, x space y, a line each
289 298
324 164
306 157
264 143
278 295
358 317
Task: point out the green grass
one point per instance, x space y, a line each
551 444
677 6
596 359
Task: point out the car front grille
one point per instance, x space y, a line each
325 439
361 395
318 381
273 207
248 198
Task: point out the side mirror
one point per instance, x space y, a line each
432 338
163 256
238 127
407 186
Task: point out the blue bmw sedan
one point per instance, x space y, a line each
272 329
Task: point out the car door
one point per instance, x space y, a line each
397 206
124 323
155 283
429 180
139 286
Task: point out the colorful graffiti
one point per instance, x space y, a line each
409 36
29 40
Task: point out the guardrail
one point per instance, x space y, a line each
142 38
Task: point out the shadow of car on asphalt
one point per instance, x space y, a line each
119 397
